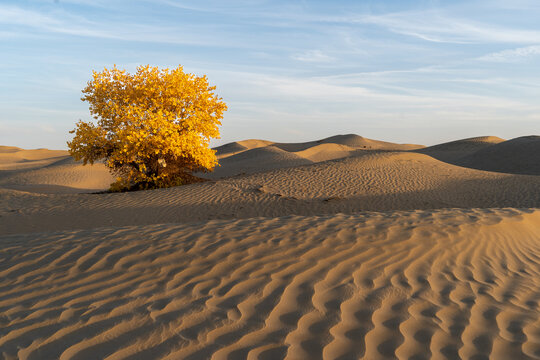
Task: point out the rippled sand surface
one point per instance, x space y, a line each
356 254
420 284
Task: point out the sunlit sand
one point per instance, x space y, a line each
341 248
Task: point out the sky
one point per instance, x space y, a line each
407 71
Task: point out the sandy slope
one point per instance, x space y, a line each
375 181
53 171
278 260
455 150
517 156
490 153
251 156
444 284
49 171
349 140
14 158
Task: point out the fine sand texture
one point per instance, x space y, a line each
49 171
455 150
369 181
341 248
490 153
251 156
517 156
443 284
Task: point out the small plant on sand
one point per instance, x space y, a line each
153 127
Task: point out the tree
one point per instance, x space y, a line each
153 127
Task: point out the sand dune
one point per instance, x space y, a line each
356 141
255 160
9 149
444 284
341 248
240 146
270 157
516 156
374 181
454 151
53 171
250 156
56 174
326 151
13 158
471 144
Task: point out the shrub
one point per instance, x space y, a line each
153 127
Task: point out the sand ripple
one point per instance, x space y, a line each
373 182
443 284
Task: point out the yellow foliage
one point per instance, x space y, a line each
153 127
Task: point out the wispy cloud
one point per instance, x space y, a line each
294 62
313 56
60 22
65 23
365 91
18 16
512 55
437 26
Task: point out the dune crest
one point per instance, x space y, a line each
14 158
454 151
357 141
251 156
49 171
9 149
426 284
490 153
326 151
373 181
517 156
234 148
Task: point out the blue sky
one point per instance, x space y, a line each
405 71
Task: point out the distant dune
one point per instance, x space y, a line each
262 155
256 160
350 140
490 153
240 146
356 141
516 156
49 171
455 150
341 248
262 181
13 158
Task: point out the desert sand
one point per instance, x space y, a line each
341 248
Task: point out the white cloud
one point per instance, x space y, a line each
298 62
364 92
512 55
61 22
313 56
437 26
17 16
